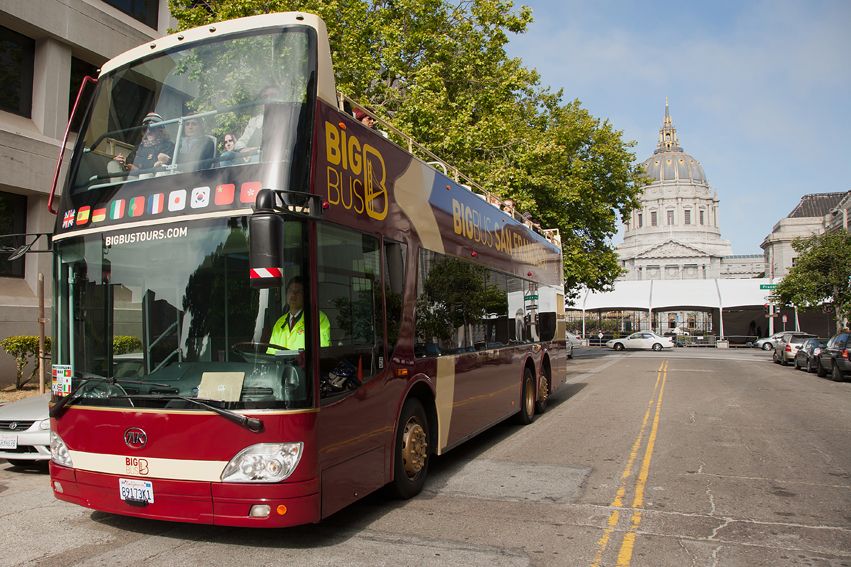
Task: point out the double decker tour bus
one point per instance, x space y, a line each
427 314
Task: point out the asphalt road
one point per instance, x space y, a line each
690 457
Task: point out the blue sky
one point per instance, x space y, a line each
760 92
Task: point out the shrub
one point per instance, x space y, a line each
24 348
122 344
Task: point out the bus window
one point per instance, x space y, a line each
349 294
461 306
395 262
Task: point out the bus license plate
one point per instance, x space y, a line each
136 490
8 441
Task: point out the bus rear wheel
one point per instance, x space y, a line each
410 466
527 398
543 394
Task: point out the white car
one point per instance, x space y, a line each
641 340
25 431
572 342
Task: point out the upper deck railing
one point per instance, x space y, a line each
430 158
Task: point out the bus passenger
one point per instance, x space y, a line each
288 330
368 121
228 156
154 151
195 149
249 142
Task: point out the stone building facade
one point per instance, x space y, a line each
813 214
675 234
46 48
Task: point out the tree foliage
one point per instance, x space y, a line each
439 71
821 274
25 349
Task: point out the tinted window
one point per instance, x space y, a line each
395 259
13 220
145 11
16 67
349 294
80 69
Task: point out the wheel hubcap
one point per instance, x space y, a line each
414 447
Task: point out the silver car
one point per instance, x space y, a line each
768 343
25 431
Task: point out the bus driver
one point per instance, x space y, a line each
288 331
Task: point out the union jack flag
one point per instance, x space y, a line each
68 219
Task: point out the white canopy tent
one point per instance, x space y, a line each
660 295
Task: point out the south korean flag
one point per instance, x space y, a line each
200 197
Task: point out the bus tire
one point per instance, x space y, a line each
543 394
410 466
526 415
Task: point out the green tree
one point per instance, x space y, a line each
439 71
821 274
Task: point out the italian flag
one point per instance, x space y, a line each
116 209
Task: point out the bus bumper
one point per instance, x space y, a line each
217 503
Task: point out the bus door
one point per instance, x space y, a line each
356 413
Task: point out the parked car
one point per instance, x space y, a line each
25 431
807 356
788 345
768 343
572 342
641 340
833 359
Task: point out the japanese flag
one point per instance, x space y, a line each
177 200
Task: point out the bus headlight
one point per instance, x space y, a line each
59 451
264 462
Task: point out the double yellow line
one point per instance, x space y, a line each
628 543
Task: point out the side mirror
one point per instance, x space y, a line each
265 257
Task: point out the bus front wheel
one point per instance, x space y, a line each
410 466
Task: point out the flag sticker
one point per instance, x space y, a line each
224 194
137 206
68 219
156 204
177 200
83 215
248 191
99 215
200 197
116 209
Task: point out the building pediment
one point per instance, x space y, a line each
673 249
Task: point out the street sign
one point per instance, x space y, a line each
768 286
531 297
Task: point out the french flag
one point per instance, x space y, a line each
156 203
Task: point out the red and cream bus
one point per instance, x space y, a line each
429 315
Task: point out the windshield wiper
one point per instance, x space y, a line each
252 424
62 405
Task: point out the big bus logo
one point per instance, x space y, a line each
357 176
135 438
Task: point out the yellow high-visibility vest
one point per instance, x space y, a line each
291 337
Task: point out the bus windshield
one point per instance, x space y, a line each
240 103
168 311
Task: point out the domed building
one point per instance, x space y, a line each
674 234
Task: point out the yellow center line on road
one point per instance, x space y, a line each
625 552
617 503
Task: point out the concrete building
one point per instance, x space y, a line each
839 217
46 48
674 234
812 215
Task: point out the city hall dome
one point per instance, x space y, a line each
669 163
